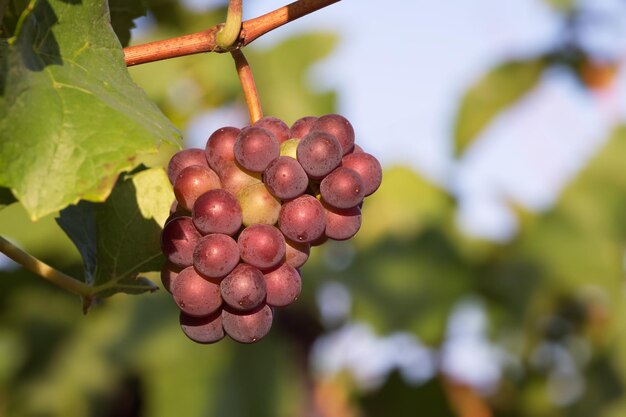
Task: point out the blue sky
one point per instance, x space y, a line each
401 68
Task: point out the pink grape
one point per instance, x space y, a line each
219 148
283 285
192 182
217 211
276 126
319 153
255 148
343 188
244 288
195 295
205 330
183 159
302 219
178 240
216 255
247 327
285 178
342 224
301 127
261 245
296 254
339 127
368 167
235 178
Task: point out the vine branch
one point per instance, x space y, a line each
44 270
206 41
229 33
247 84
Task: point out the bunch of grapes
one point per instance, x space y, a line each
248 208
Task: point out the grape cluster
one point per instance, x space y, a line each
248 208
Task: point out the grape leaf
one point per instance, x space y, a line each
119 239
71 119
123 12
498 89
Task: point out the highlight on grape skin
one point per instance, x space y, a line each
248 209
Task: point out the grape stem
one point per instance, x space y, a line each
206 41
44 270
247 84
227 36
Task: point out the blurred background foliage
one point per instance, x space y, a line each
409 318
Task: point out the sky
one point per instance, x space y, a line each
401 69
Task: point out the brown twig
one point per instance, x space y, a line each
247 84
205 41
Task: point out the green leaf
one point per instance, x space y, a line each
119 239
71 119
123 12
498 89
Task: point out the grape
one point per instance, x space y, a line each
216 255
261 245
339 127
320 240
169 272
318 153
192 182
302 126
302 219
368 167
204 330
296 254
258 205
357 149
178 239
217 211
195 295
276 126
183 159
255 148
235 178
283 285
219 148
343 188
247 327
289 147
342 224
244 288
285 178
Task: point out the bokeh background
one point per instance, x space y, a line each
487 279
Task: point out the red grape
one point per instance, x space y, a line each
204 330
219 148
283 285
276 126
261 245
285 178
342 224
296 254
192 182
195 295
368 167
343 188
217 211
302 219
178 240
318 153
302 126
215 255
255 148
247 327
258 205
339 127
244 288
183 159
